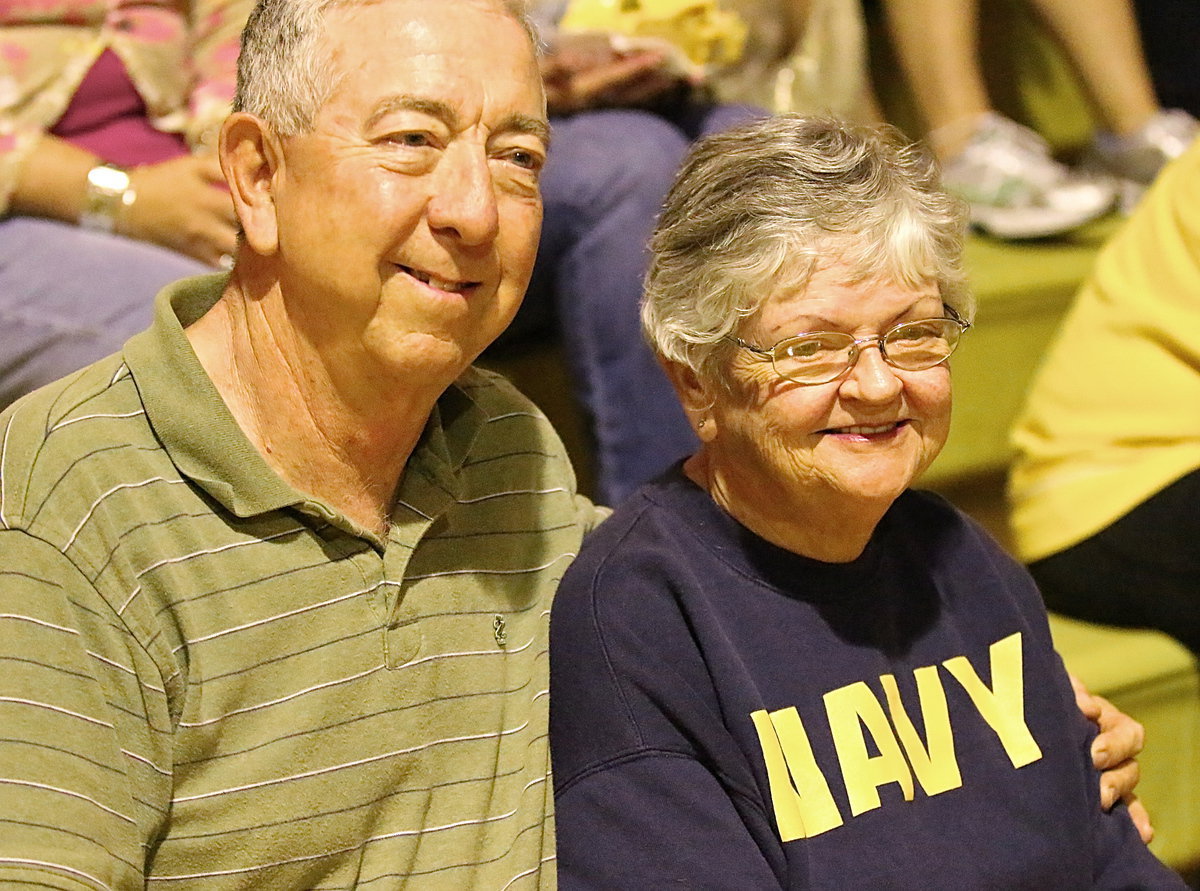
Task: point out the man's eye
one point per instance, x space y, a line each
415 139
526 159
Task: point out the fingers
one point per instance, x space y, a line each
1087 703
608 80
1141 818
1118 782
1121 737
1114 749
179 206
619 81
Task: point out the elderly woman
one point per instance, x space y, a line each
777 666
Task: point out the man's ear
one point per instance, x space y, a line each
251 155
696 397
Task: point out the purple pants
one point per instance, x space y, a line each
69 296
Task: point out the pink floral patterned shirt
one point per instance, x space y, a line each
180 55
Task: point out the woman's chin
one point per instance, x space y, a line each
881 478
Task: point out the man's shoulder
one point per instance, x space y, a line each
494 393
63 446
513 448
508 421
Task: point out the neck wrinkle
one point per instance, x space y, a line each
345 449
835 537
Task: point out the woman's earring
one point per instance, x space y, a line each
703 421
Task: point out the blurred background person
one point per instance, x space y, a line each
109 186
1106 485
623 111
1170 34
1006 172
629 87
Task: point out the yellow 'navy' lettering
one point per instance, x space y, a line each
803 804
934 762
1003 706
800 793
851 709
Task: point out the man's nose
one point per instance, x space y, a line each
465 200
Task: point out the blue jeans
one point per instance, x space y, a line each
69 296
605 182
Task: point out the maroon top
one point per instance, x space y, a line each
107 116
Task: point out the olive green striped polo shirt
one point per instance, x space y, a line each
209 679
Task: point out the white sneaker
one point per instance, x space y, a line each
1136 158
1016 189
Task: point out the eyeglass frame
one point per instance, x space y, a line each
855 346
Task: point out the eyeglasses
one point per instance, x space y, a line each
820 357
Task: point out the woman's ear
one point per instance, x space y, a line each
251 155
695 395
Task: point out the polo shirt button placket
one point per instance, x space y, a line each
401 643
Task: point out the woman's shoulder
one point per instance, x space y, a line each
655 521
635 548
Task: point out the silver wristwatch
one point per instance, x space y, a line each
108 192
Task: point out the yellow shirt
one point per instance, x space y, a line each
1114 413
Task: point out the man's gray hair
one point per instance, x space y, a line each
284 76
754 209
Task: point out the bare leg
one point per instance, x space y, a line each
936 43
1102 41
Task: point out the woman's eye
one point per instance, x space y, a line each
810 349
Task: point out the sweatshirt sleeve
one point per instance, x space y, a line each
654 820
650 791
1120 858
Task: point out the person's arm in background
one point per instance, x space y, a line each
181 203
588 71
597 69
216 31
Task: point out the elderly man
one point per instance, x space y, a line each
276 578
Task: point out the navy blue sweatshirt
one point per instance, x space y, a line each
726 714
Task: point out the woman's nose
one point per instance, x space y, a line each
872 377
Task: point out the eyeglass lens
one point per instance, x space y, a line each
825 356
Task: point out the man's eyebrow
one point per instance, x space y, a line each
432 107
523 123
444 112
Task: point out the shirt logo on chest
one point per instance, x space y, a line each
800 792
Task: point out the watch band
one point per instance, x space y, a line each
108 192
